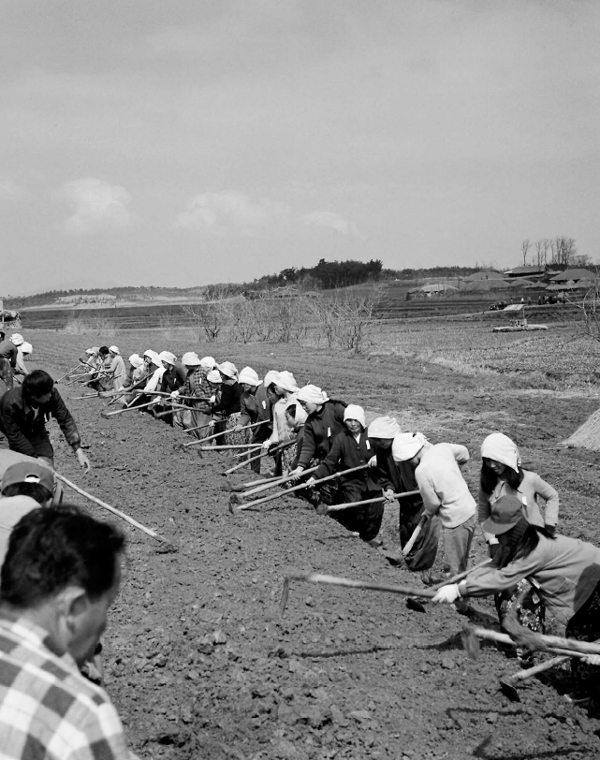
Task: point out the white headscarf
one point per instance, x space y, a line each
501 448
312 394
384 427
249 376
406 445
355 412
286 381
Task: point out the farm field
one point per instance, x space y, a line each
199 660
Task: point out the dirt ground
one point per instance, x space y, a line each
200 662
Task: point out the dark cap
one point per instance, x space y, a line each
504 515
28 472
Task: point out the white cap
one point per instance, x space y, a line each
114 349
214 376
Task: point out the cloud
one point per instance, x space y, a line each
10 191
96 205
222 213
329 220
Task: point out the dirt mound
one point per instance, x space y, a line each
587 436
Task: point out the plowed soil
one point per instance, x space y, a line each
201 663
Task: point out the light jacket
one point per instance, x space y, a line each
566 569
531 487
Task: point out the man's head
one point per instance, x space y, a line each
62 570
28 479
37 387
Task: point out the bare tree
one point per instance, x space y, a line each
539 254
563 250
525 246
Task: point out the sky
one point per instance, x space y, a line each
187 142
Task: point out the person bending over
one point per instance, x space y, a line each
23 413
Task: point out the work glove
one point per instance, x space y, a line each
238 428
448 594
311 481
212 399
266 444
389 494
82 459
551 529
592 659
212 423
174 394
372 462
297 473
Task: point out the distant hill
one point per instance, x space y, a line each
324 276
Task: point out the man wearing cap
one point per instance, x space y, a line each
61 574
325 420
566 573
23 414
25 485
444 492
8 358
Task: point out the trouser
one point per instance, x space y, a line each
6 373
259 435
457 546
193 418
364 520
585 626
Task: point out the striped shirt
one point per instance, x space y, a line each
48 710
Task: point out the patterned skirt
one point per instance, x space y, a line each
235 439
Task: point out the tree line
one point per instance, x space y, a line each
557 251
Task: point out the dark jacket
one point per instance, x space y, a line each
228 400
320 429
346 452
20 424
172 379
255 407
9 351
398 476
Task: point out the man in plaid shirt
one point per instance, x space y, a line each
61 574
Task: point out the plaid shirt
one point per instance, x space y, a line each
47 708
196 384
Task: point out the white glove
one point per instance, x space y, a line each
311 481
447 594
389 494
592 659
266 444
212 399
372 462
174 394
